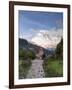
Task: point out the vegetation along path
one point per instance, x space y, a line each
36 70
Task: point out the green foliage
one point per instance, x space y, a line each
26 54
23 68
31 55
22 54
53 68
59 49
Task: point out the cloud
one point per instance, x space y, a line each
47 38
28 35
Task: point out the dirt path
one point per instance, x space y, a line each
36 70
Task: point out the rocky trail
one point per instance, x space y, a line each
36 70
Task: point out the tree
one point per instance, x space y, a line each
59 49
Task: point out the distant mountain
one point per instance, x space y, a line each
47 39
51 49
24 44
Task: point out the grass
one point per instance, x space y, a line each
53 67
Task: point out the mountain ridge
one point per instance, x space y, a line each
25 45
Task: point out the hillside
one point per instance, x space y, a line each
24 44
27 46
59 49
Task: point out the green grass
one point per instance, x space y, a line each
53 67
24 66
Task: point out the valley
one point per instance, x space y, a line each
38 62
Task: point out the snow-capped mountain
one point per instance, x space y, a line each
47 38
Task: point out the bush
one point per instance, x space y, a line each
31 55
26 54
22 54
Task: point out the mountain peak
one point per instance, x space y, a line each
47 39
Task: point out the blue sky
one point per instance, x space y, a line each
31 22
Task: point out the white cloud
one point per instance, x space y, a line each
47 38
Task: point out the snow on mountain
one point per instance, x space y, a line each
47 38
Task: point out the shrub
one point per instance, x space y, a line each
26 54
31 55
22 54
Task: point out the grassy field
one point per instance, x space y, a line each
53 67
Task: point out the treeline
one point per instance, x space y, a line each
25 55
59 50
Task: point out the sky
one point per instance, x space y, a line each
41 28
